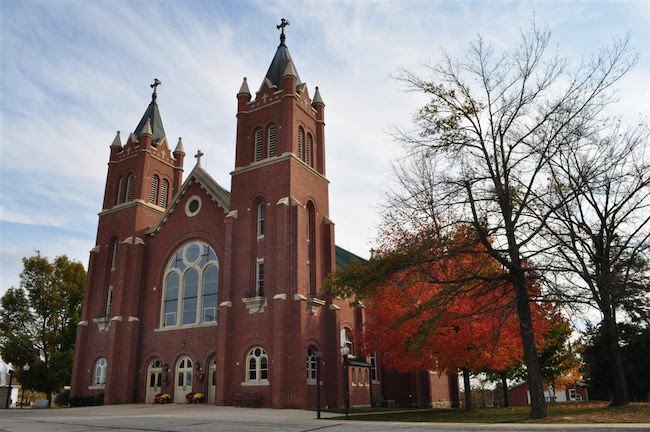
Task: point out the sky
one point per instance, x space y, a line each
75 72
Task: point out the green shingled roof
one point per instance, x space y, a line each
345 258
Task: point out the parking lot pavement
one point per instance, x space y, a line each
205 418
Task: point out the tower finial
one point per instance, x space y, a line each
281 26
154 86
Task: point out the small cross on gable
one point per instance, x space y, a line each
198 157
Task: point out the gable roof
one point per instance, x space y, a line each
220 195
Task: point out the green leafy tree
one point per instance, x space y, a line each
38 321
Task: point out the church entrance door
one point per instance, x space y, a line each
154 376
212 380
183 379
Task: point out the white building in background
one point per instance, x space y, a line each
4 384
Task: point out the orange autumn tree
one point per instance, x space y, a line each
444 304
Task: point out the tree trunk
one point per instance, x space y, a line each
535 383
468 389
504 383
618 383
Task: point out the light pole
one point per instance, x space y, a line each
24 380
318 355
345 352
11 375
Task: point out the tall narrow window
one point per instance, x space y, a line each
210 286
259 284
190 295
270 136
308 150
261 218
301 143
311 249
109 301
373 367
259 152
121 190
129 188
114 254
191 286
101 367
162 198
153 192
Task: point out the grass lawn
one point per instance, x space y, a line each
584 412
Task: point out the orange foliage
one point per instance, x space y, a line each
447 314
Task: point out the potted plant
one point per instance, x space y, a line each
198 398
189 398
166 398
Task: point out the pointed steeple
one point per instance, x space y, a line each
318 100
243 90
153 115
290 70
117 141
280 60
146 130
179 147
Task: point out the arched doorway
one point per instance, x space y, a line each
212 380
154 378
183 379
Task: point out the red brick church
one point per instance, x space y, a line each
194 288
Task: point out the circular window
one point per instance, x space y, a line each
193 206
192 253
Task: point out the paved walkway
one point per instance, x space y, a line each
205 418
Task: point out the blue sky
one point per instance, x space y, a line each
73 73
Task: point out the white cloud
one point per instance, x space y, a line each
73 73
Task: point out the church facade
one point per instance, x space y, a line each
194 288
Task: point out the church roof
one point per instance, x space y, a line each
279 64
153 114
344 258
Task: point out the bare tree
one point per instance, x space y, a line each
483 144
603 233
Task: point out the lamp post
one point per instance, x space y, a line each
24 380
11 375
318 355
345 352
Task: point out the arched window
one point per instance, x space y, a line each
101 367
261 218
162 198
259 151
191 286
257 365
270 139
129 188
121 190
308 150
354 376
311 365
346 341
153 192
301 143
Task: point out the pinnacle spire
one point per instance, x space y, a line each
153 115
179 147
318 100
243 90
146 130
117 141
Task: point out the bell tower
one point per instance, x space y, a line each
282 233
143 174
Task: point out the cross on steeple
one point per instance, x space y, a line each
281 26
154 86
198 157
